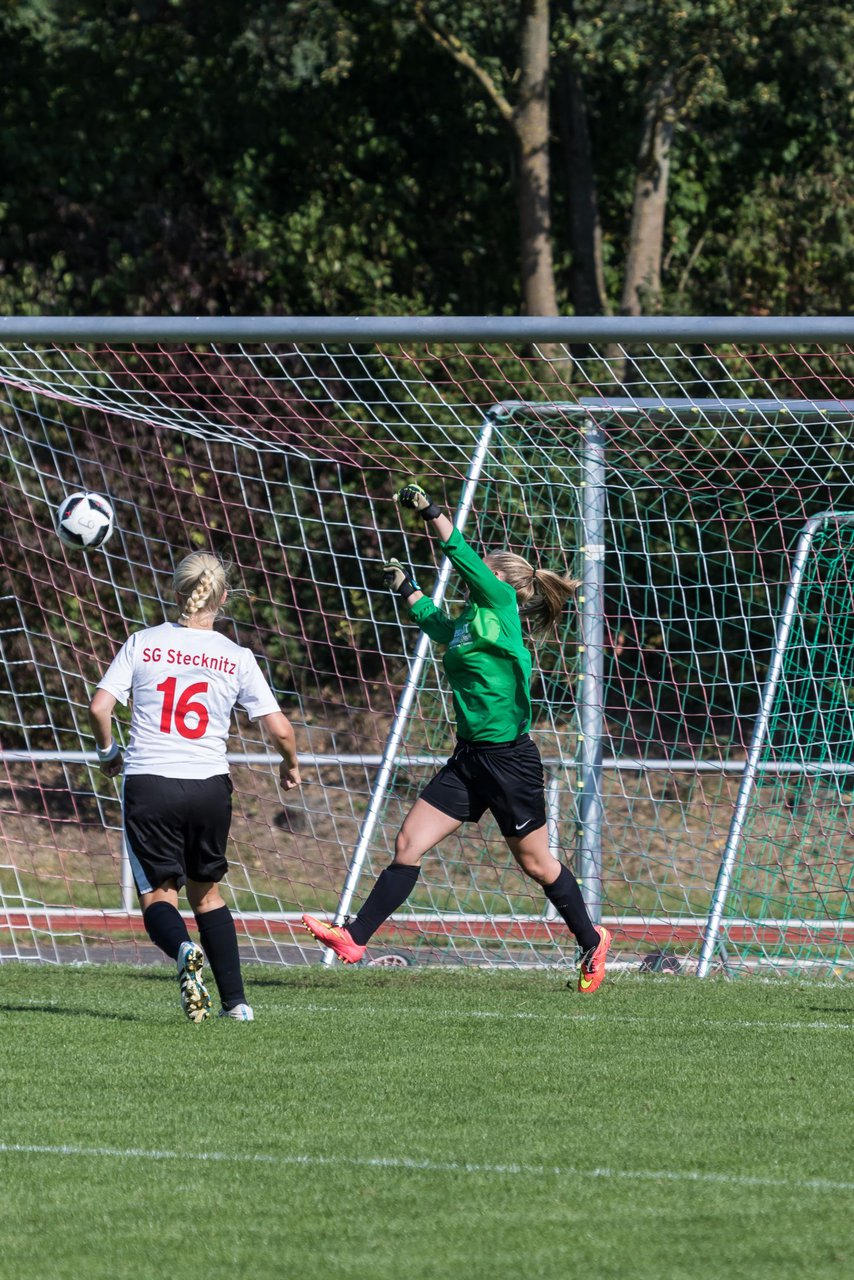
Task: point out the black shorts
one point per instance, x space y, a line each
504 777
176 828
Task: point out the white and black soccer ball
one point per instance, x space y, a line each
84 521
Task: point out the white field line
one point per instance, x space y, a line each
498 1015
723 1024
408 1165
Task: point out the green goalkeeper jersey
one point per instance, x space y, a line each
486 661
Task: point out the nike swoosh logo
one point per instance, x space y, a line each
585 983
520 825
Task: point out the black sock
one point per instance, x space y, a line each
565 896
218 937
391 890
165 928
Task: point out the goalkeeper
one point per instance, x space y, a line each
495 764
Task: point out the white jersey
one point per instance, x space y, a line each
184 682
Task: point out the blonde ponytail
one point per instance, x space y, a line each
542 594
199 584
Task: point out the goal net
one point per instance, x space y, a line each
674 480
785 886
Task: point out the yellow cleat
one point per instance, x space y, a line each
195 1000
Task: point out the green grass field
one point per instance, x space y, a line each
410 1124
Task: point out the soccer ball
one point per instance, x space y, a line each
84 521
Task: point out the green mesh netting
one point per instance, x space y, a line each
794 872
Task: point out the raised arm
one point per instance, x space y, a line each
485 587
432 620
414 498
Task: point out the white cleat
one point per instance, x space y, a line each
195 1000
240 1013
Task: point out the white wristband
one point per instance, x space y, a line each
107 754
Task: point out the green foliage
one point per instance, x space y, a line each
231 157
243 157
760 93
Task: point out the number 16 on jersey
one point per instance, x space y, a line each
175 714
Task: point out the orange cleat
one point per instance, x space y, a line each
335 937
593 964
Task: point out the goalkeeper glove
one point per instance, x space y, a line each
398 579
414 497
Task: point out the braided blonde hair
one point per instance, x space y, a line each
541 593
199 583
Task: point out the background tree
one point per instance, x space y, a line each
690 105
528 119
254 156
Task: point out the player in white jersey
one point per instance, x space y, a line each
184 679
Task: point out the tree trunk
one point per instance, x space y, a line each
529 120
586 273
642 283
531 126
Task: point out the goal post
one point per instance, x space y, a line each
409 693
677 495
590 549
804 739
